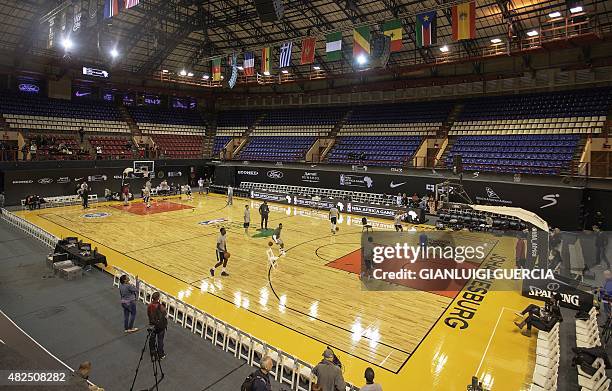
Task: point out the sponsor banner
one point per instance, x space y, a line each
97 215
571 296
325 204
557 205
272 197
59 182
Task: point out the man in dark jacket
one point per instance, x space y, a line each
601 242
329 375
264 211
262 380
157 318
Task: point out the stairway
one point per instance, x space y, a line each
333 134
449 146
450 120
211 131
127 118
244 139
574 166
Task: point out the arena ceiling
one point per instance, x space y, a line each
185 34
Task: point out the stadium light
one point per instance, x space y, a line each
444 49
361 60
190 74
532 33
241 68
316 68
183 73
164 71
284 71
205 77
114 53
554 15
67 43
576 9
496 40
267 73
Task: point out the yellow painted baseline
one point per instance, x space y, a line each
303 305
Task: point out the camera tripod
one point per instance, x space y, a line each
151 340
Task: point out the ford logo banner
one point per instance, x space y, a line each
275 174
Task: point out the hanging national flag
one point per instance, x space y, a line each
111 8
285 55
131 3
333 46
426 33
464 21
266 61
249 64
393 29
361 41
216 69
308 50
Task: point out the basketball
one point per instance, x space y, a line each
270 243
337 229
226 255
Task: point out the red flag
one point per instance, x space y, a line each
308 50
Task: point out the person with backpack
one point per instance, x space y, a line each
157 319
260 379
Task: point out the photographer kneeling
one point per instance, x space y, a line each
158 321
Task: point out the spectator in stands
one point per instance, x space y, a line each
404 199
1 199
264 211
98 152
370 385
156 312
414 201
601 242
398 199
81 375
3 151
81 135
261 377
24 151
329 375
129 295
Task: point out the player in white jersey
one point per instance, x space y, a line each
334 213
247 219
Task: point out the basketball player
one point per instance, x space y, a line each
146 196
397 221
230 195
126 194
334 213
247 219
188 192
272 258
221 250
200 185
277 239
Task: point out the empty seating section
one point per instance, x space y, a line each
30 112
294 122
528 154
168 121
112 147
277 148
235 123
374 150
577 112
220 143
415 119
180 147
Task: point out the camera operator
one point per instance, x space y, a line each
329 373
158 321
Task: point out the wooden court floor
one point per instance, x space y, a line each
305 304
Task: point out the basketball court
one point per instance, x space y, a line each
314 297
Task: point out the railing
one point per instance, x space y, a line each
287 369
47 238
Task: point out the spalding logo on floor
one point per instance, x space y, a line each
96 215
213 221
